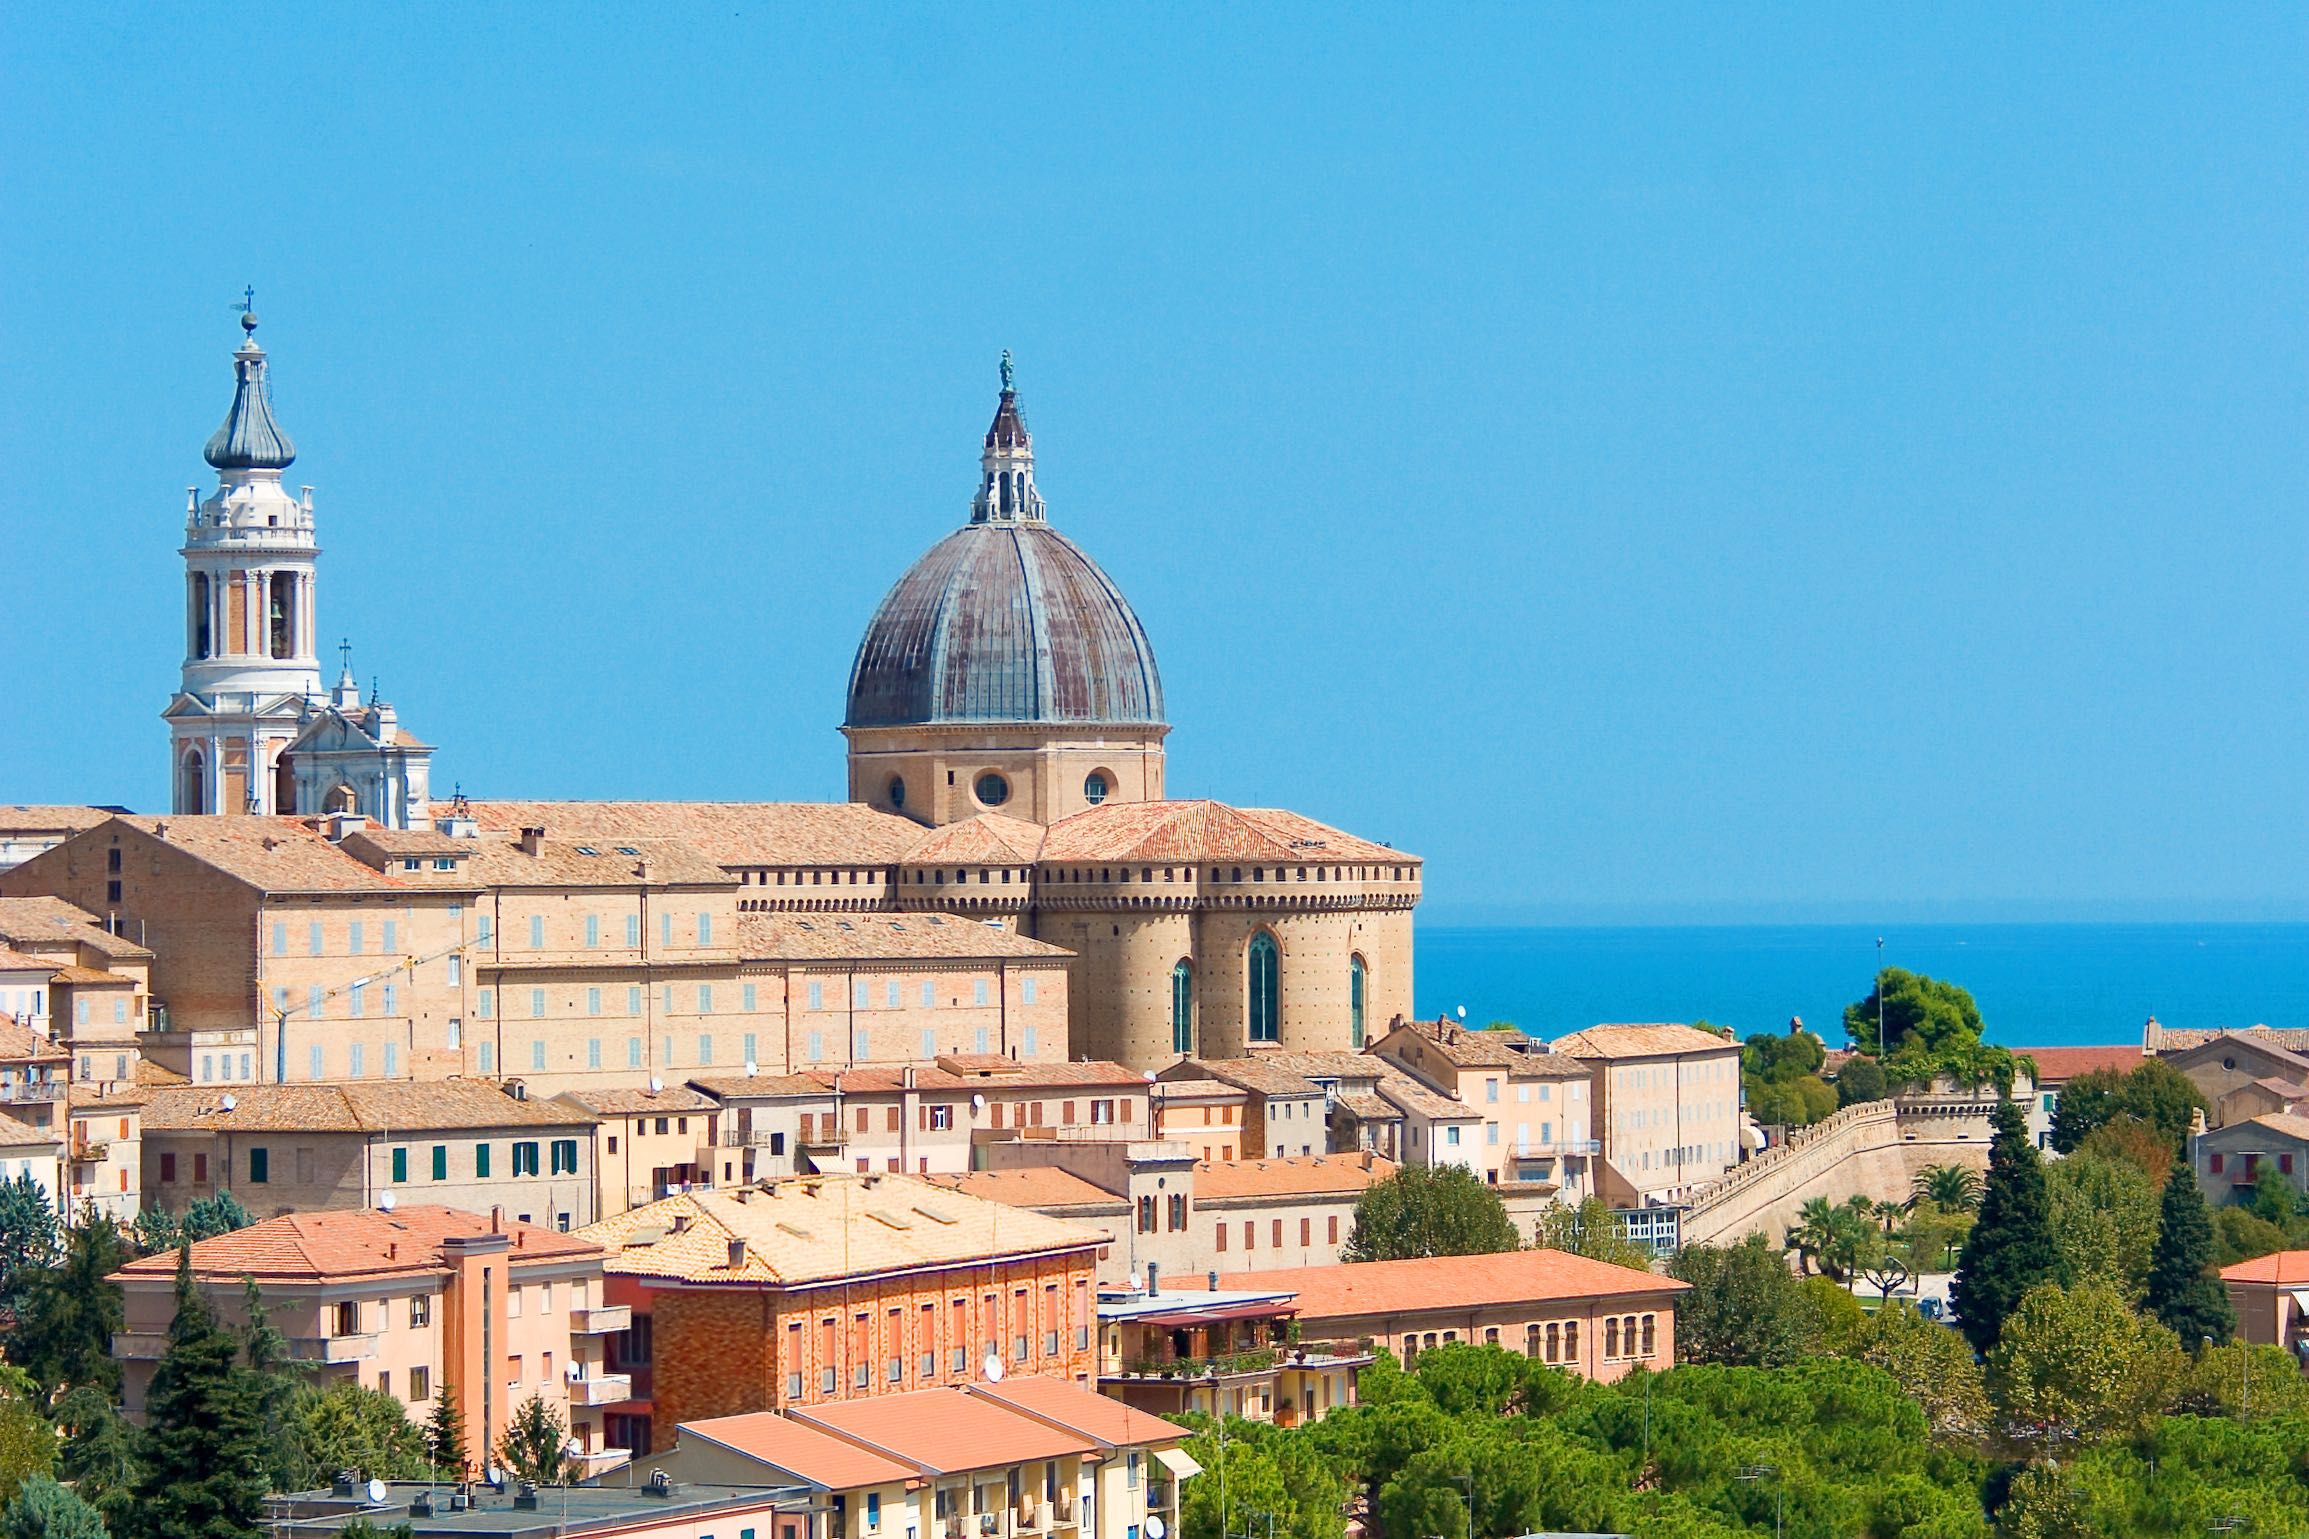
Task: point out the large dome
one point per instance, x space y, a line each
1004 620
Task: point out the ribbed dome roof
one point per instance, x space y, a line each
250 439
1004 621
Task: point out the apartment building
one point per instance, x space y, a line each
1533 1106
922 1119
1150 1182
1666 1102
1589 1318
1278 1214
2230 1160
822 1289
1023 1459
96 996
1204 1114
1284 1112
1221 1352
417 1302
297 1148
652 1142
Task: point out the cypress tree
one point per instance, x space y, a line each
2183 1291
204 1470
445 1434
2010 1249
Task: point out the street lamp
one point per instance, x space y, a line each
1754 1473
1883 1048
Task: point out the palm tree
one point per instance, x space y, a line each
1950 1188
1813 1233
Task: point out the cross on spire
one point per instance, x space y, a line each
345 654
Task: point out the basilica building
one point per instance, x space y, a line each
1005 732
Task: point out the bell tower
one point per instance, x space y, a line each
251 674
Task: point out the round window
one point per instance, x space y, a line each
897 791
992 789
1094 788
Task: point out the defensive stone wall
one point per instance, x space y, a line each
1874 1150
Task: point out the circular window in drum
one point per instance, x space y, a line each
1094 788
992 789
897 791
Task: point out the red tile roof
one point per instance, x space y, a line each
1451 1282
946 1430
1311 1175
1093 1415
2283 1266
1035 1186
817 1457
2058 1065
360 1242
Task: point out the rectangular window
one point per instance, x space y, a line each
705 999
314 1064
525 1158
280 939
420 1383
746 1001
489 1058
260 1166
705 1049
400 1167
485 1003
890 994
753 1053
565 1156
359 1065
978 991
592 931
859 999
665 929
593 1001
705 929
929 1043
392 1060
633 932
1220 1229
593 1052
1026 991
536 1003
537 1055
665 999
860 1048
485 928
392 934
633 1000
929 996
481 1161
313 940
456 970
817 995
981 1039
633 1052
817 1046
537 932
353 937
392 994
1030 1042
665 1051
440 1162
359 994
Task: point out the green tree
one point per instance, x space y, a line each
2104 1221
42 1509
2239 1234
2086 1102
2078 1362
1950 1188
445 1434
2183 1291
2272 1195
71 1311
1932 1027
99 1454
2132 1141
203 1454
28 1233
27 1441
2237 1378
362 1528
1429 1210
1861 1079
534 1446
2011 1248
1744 1308
1834 1317
1590 1230
1932 1365
367 1431
2164 1100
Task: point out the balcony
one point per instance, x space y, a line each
1062 1510
600 1321
601 1389
30 1092
1029 1518
332 1349
91 1152
600 1461
1225 1365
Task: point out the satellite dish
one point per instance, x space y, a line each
977 1103
656 1084
377 1496
1136 1282
1463 1012
229 1102
576 1450
1154 1528
991 1369
385 1201
496 1476
576 1371
752 1068
1150 1076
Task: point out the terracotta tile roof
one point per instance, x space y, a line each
92 977
2279 1266
157 1075
1641 1040
1168 1090
2281 1124
1307 1175
959 1074
1523 1057
1451 1282
1101 1418
18 962
622 1103
2288 1047
1254 1074
494 860
811 1229
741 1086
989 839
268 854
1035 1186
2058 1065
2290 1089
397 843
21 1044
1199 831
1412 1096
19 1135
397 1106
44 920
1371 1107
100 1097
800 1450
348 1243
730 834
945 1431
782 937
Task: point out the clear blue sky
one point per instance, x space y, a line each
1651 461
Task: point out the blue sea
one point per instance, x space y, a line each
2038 985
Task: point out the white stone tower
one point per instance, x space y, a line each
251 677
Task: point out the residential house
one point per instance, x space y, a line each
96 997
1534 1105
26 831
1221 1352
2259 1098
1666 1108
2229 1160
2056 1066
416 1301
645 1509
1284 1112
2222 1062
820 1289
1204 1114
651 1142
1279 1214
294 1148
1590 1318
2270 1295
1152 1180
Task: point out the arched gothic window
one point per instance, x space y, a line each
1183 1008
1356 975
1266 976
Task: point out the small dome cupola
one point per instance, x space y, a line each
1006 481
250 439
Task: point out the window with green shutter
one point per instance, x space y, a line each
481 1161
400 1167
440 1162
260 1166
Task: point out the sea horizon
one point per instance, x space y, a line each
2042 983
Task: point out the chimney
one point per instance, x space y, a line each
1154 1277
532 841
1366 1159
496 1218
1214 1280
737 1254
